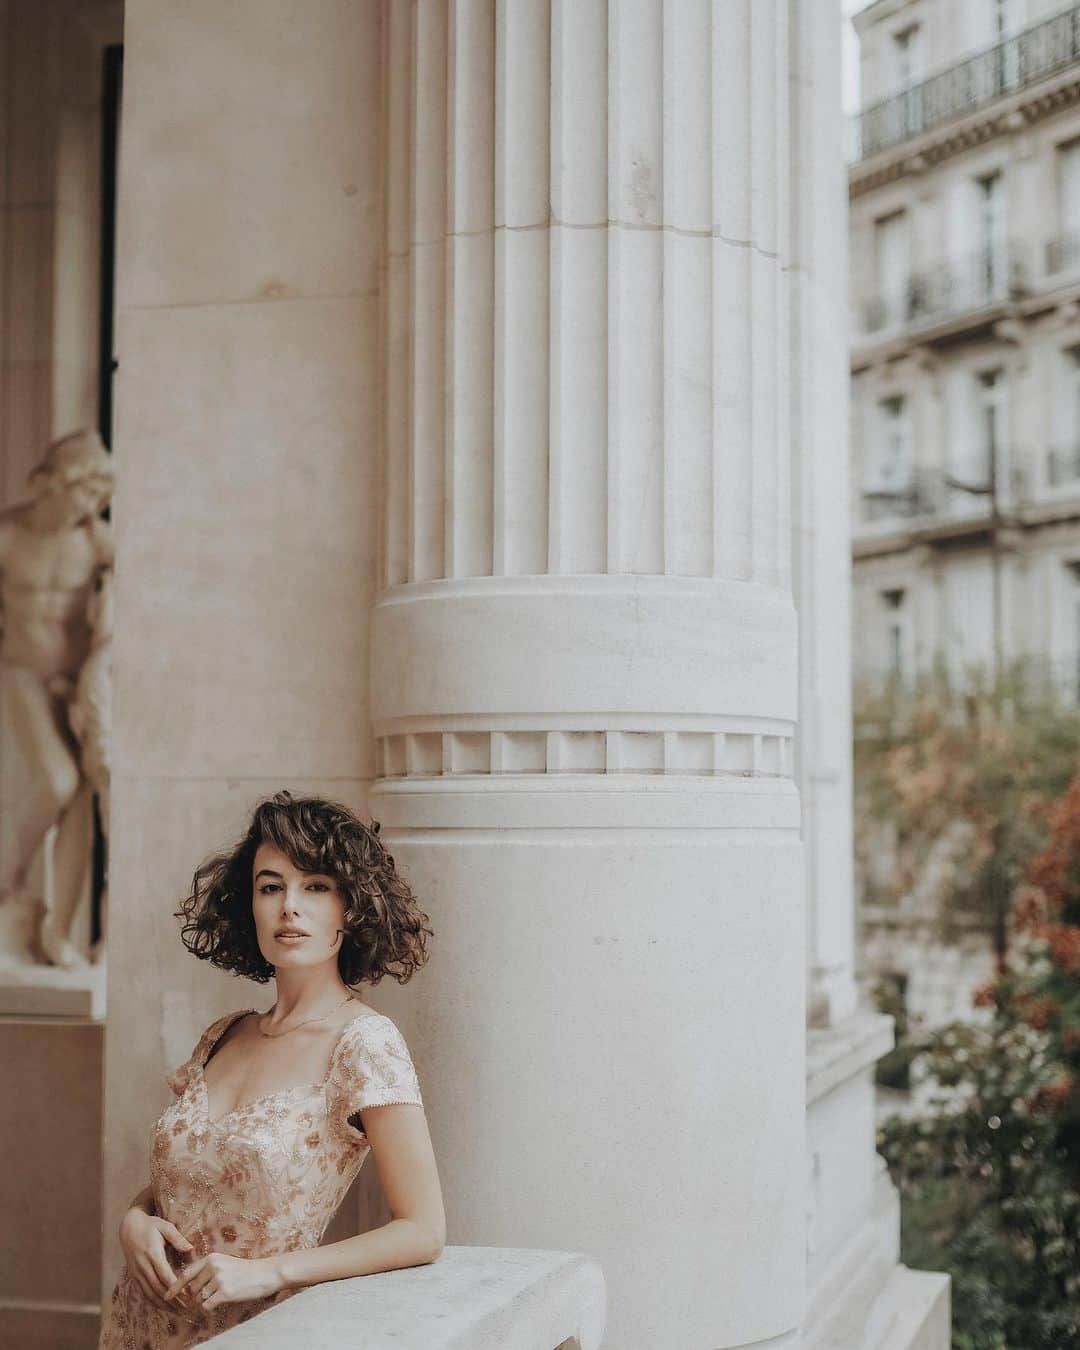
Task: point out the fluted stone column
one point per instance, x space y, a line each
584 643
820 401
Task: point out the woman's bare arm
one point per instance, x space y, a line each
144 1200
405 1162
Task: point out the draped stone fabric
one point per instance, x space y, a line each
261 1179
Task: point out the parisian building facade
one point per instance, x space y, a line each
964 178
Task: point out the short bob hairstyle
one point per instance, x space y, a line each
385 930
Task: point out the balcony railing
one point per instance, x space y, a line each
918 494
1063 467
1063 253
950 289
1013 64
932 496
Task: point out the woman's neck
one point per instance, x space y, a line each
302 994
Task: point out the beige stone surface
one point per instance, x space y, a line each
254 180
32 1329
246 522
50 1185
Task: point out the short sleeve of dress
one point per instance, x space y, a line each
179 1079
371 1067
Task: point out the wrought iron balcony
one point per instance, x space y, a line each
917 494
1063 467
1013 64
1063 253
951 289
928 497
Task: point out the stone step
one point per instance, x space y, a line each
915 1310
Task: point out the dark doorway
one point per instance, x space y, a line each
112 74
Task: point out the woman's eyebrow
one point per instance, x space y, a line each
266 871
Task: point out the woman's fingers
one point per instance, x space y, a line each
144 1275
180 1286
163 1273
178 1240
198 1284
171 1234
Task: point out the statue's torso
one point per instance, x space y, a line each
45 587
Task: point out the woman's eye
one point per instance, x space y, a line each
269 886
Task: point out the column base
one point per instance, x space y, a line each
859 1295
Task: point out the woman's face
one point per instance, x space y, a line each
285 897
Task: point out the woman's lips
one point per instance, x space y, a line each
291 937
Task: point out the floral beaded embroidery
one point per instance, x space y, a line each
264 1178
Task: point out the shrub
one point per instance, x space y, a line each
990 1175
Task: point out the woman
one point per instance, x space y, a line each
276 1112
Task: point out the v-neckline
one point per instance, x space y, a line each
201 1062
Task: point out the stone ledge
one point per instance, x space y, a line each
471 1298
917 1306
835 1054
48 991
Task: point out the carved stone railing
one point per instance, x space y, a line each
471 1298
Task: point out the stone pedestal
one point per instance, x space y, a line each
51 1123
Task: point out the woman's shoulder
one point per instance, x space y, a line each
371 1066
179 1077
220 1025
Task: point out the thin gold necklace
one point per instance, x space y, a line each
275 1035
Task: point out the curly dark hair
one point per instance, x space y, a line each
385 930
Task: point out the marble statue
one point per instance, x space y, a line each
56 556
90 716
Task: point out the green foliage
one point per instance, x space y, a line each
987 1188
976 762
893 1069
989 1174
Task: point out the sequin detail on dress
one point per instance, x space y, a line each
264 1178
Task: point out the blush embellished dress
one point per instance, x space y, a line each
262 1179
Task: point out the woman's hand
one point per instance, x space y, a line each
143 1237
218 1278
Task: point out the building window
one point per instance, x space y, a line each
1063 251
894 466
1063 457
991 394
1007 16
992 278
907 55
995 22
893 601
892 268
